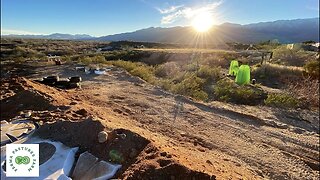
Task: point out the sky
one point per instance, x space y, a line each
105 17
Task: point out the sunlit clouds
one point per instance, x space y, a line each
175 13
169 10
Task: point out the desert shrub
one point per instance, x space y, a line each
137 69
307 91
268 45
275 75
86 60
291 57
67 59
166 84
178 77
313 68
98 59
192 67
228 91
168 69
219 59
21 54
127 65
191 86
208 73
144 72
125 55
281 100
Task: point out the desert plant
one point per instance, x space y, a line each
168 69
275 75
137 69
313 68
144 72
98 59
228 91
282 100
292 57
86 60
208 73
127 65
191 86
307 91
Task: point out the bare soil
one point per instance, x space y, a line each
205 140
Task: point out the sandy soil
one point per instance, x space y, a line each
215 139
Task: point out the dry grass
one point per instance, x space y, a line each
307 91
185 50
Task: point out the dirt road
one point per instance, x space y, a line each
215 138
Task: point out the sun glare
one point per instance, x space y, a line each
202 22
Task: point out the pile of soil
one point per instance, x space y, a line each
17 97
82 134
50 107
154 164
139 158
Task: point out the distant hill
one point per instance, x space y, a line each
286 31
54 36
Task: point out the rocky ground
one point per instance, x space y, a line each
165 136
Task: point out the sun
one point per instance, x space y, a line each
202 22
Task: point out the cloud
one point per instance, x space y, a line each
168 19
169 10
17 32
174 13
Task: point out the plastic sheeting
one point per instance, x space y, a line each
88 167
60 164
243 75
234 67
16 130
57 167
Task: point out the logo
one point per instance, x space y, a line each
22 160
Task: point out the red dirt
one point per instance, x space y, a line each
204 142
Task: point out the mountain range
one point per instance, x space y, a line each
286 31
54 36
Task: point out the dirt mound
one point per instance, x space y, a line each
71 133
139 158
154 163
20 94
17 97
123 146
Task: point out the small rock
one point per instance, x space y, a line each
82 112
27 114
122 135
102 137
163 154
209 162
73 103
64 107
